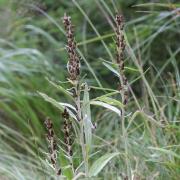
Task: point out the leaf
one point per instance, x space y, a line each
167 5
103 89
59 105
43 33
60 88
110 107
116 72
165 151
86 111
110 101
68 105
99 164
111 69
108 94
131 69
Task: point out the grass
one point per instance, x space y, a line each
32 59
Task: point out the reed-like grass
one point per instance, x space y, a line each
33 59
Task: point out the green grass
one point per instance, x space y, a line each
32 51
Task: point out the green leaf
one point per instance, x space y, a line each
108 94
105 105
43 33
86 111
104 89
165 151
131 69
111 69
60 88
110 101
167 5
68 105
99 164
59 105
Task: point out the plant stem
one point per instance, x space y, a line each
120 47
79 116
124 134
72 165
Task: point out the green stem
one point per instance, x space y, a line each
82 140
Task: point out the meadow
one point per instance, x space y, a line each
89 89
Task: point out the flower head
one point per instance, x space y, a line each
73 64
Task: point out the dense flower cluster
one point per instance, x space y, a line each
52 145
120 44
73 65
67 132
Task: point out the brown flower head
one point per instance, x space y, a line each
73 65
120 47
52 145
67 128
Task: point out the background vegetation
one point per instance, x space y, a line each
32 42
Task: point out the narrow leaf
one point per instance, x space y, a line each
86 111
110 107
59 105
110 101
99 164
165 151
60 88
111 69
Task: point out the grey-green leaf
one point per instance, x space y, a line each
111 69
61 89
165 151
59 105
86 111
99 164
108 106
110 101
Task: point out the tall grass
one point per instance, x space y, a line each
32 58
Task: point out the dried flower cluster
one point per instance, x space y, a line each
52 145
67 132
120 44
73 65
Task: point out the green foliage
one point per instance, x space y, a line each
32 60
100 163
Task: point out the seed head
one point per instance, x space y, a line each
120 47
67 128
73 64
52 145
